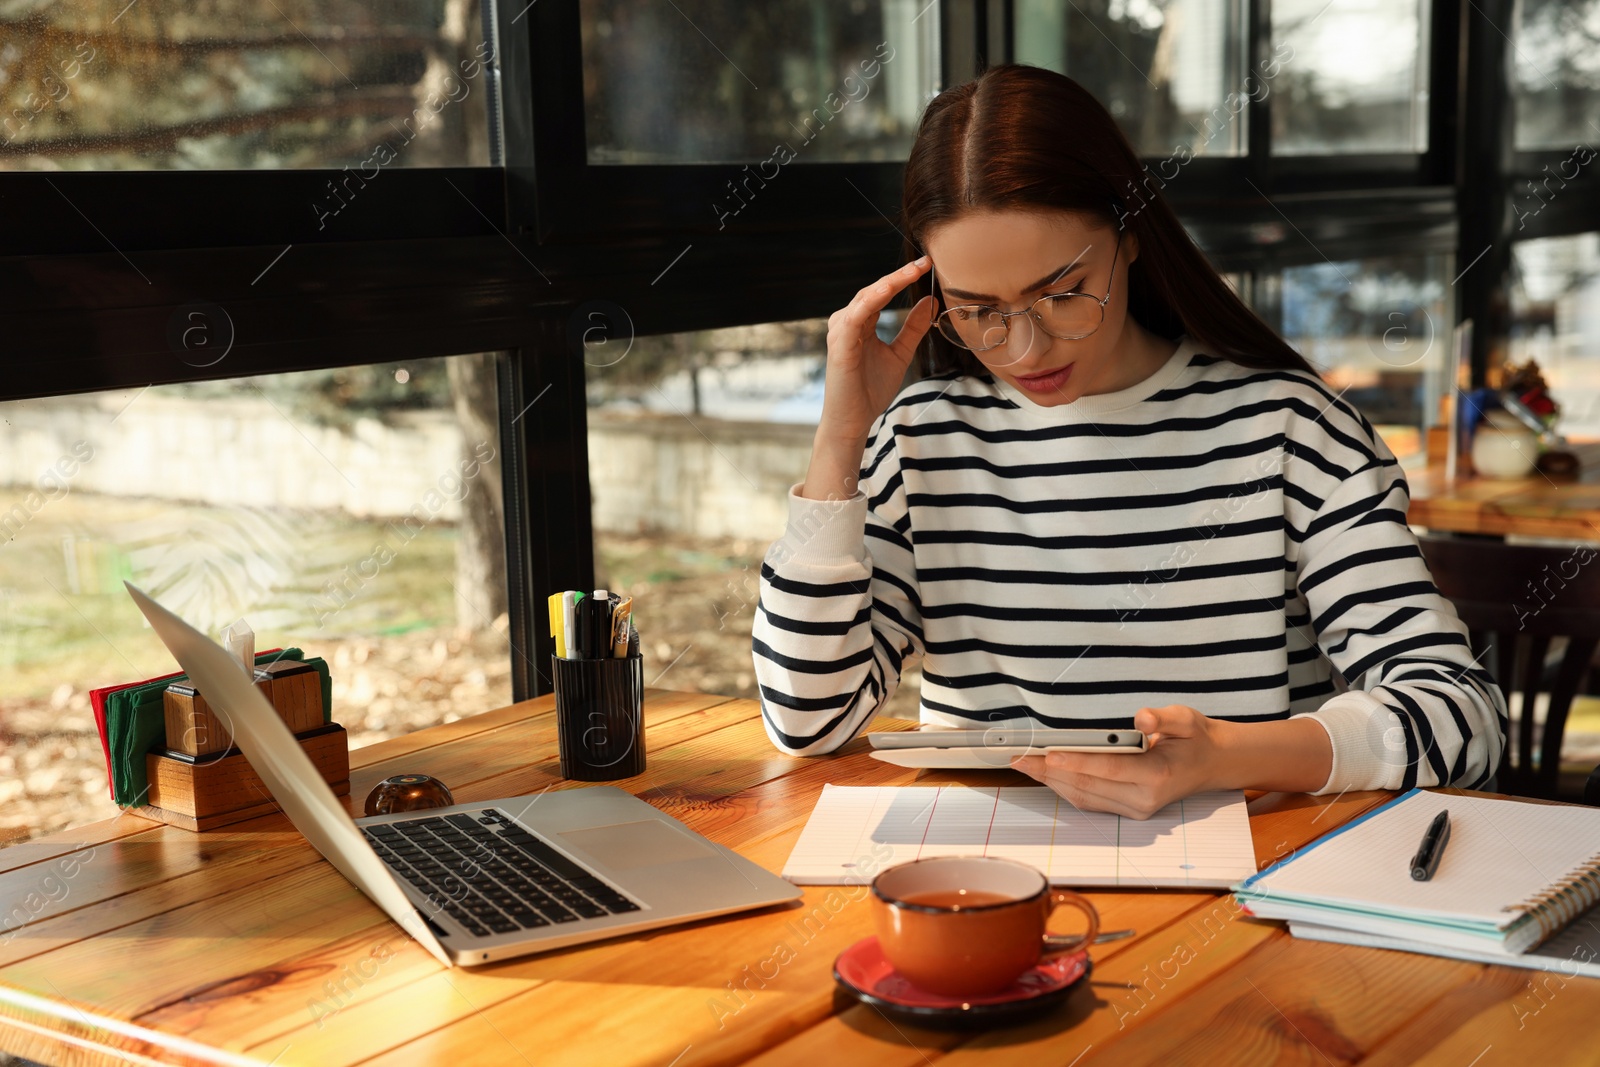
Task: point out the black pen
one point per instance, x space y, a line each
588 609
1437 835
600 625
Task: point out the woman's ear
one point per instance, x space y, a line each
1131 240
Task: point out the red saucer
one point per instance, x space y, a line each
863 970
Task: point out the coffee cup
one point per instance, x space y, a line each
968 926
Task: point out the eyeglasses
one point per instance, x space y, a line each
1068 316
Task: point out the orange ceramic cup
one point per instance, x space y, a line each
968 926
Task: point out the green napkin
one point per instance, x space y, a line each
136 724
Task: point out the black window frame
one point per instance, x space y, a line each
417 269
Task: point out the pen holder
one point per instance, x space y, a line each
599 717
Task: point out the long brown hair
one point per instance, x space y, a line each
1026 138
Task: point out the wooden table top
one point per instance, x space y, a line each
148 943
1530 507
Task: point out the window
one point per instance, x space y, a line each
614 108
234 85
1556 73
694 441
1555 319
1165 69
1354 77
1378 330
354 513
818 80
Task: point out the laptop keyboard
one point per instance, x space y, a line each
491 875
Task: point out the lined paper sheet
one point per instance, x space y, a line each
856 831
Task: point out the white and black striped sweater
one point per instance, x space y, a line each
1218 536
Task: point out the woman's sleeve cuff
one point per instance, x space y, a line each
1368 743
823 531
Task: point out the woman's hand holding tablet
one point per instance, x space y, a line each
1188 753
1181 756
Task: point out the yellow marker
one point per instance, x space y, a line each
558 619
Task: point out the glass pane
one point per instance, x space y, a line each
1555 319
694 441
352 513
1169 71
119 85
709 81
1556 72
1354 77
1378 330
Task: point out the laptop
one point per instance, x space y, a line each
491 879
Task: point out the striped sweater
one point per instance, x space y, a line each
1222 537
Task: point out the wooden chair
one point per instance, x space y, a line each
1516 599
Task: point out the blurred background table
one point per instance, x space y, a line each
1544 660
1534 506
243 946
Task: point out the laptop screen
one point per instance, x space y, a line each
289 775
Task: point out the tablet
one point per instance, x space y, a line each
1021 738
969 759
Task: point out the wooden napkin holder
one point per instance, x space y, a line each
202 781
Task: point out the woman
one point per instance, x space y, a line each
1115 498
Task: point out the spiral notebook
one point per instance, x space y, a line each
1513 875
855 831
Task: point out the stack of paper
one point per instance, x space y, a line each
1574 951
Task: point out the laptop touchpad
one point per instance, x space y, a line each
646 843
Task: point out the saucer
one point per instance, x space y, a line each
863 971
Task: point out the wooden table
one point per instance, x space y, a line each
147 943
1531 507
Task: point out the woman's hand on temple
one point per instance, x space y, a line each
1183 758
863 375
